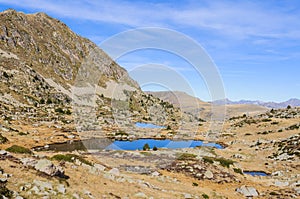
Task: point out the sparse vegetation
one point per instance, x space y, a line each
5 192
186 156
205 196
19 149
70 158
238 170
195 184
3 139
224 162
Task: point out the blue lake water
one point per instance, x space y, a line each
255 173
170 144
148 125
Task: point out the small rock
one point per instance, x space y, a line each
281 183
188 196
3 152
61 188
28 162
76 196
43 185
35 189
155 174
277 173
89 194
3 180
140 195
99 167
114 171
208 174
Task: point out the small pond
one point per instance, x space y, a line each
255 173
101 144
169 144
148 125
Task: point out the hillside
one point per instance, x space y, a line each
45 67
195 106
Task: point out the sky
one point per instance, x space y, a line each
255 45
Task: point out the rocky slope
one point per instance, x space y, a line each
45 67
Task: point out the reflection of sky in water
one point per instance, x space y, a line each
138 144
148 125
255 173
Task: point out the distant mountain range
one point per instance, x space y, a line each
292 102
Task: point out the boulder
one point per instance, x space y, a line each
278 183
43 185
114 171
3 152
61 188
29 162
247 191
188 196
47 167
140 195
208 174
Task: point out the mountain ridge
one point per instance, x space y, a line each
292 102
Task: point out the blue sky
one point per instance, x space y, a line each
255 44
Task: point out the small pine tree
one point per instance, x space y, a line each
146 147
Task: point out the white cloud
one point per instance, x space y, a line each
237 19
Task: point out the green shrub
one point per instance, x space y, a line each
225 162
238 170
59 110
42 101
208 160
205 196
154 148
49 101
22 133
19 149
266 120
186 156
70 158
195 184
5 74
5 192
68 112
3 139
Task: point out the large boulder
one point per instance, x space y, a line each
47 167
247 191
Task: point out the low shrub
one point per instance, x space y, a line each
186 156
19 149
208 160
3 139
238 170
70 158
195 184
